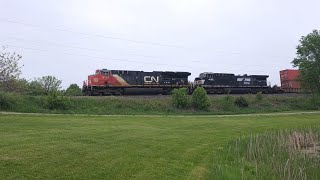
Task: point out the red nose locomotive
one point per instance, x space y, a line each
117 82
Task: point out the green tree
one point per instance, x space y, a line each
35 88
180 98
50 84
308 61
73 90
200 99
55 101
9 70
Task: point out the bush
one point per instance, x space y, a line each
259 96
6 101
241 102
180 98
227 103
54 101
200 99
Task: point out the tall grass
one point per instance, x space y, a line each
155 105
290 154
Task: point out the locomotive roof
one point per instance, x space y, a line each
168 72
217 73
234 74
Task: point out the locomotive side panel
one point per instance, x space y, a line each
106 82
156 78
229 83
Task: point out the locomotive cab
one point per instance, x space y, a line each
100 78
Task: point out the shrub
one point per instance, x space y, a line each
54 101
200 99
227 103
241 102
180 98
6 101
259 96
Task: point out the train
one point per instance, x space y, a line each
119 82
106 82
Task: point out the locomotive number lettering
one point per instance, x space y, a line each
151 79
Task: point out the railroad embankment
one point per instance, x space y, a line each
154 105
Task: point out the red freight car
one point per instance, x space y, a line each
289 75
289 81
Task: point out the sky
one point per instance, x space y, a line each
70 39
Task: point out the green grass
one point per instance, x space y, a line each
160 105
133 147
285 154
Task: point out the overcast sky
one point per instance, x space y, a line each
72 38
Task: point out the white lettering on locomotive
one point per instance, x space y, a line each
151 79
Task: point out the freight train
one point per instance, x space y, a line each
118 82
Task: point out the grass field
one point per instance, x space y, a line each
132 147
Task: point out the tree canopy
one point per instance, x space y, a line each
49 83
73 90
9 69
308 61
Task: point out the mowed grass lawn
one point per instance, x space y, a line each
87 147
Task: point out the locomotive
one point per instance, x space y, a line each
118 82
223 83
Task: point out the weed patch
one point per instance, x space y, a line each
293 154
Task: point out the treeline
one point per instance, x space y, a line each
39 87
10 81
15 90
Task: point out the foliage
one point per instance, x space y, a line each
55 101
16 86
180 98
241 102
163 105
73 90
49 83
35 88
259 96
200 99
308 61
9 69
227 103
292 154
6 101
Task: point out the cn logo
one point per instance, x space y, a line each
151 79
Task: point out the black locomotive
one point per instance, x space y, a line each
222 83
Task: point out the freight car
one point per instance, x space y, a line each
289 81
223 83
118 82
